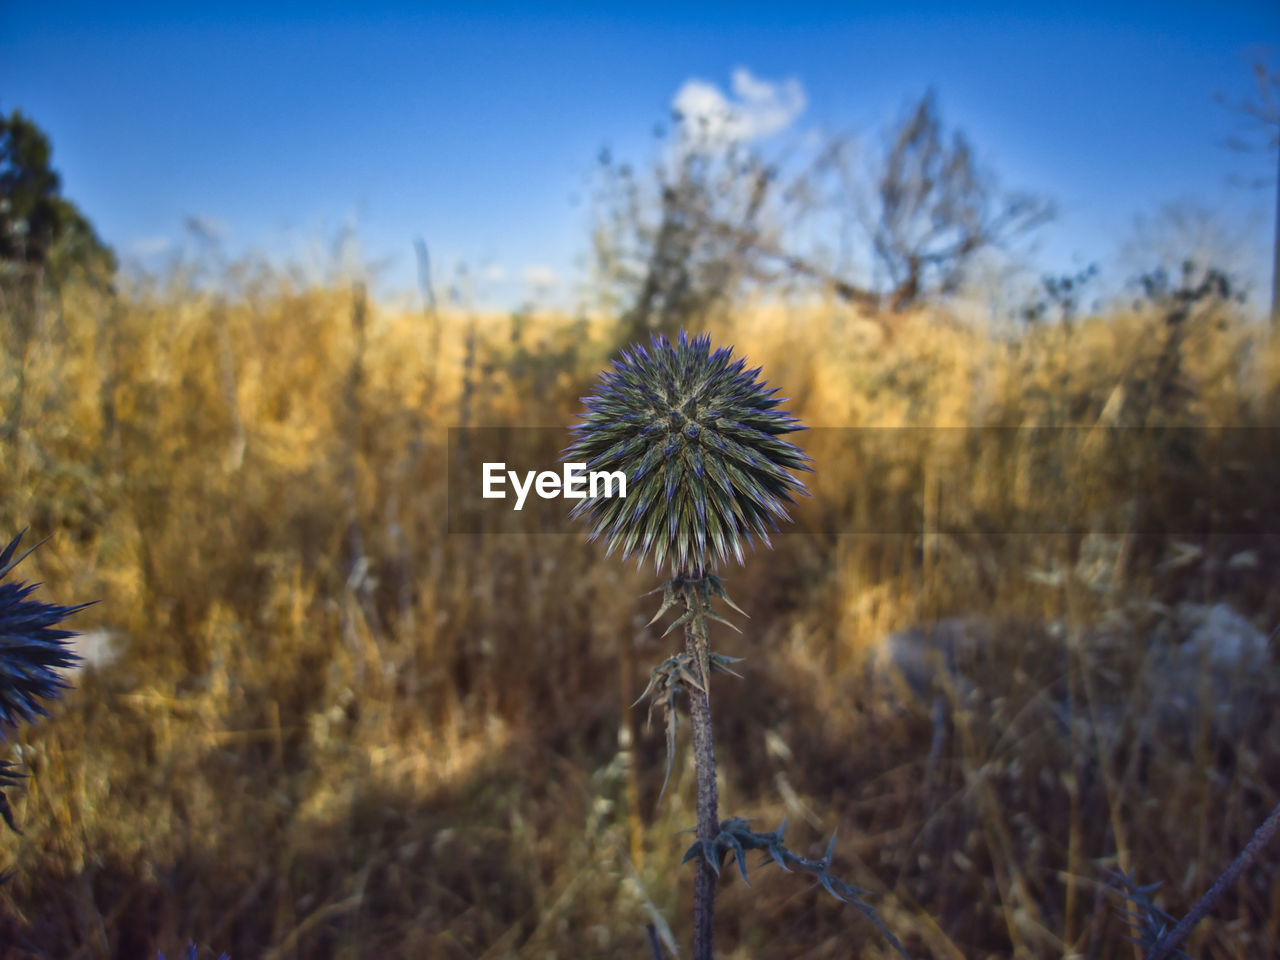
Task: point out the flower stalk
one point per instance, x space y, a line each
699 437
697 647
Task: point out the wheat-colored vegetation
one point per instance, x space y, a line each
331 729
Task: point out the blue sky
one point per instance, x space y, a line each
477 127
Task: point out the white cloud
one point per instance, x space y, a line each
541 278
150 246
757 109
493 273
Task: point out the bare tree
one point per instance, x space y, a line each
692 264
1261 119
717 218
706 225
933 209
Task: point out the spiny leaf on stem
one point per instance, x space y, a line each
666 683
736 837
1148 924
695 594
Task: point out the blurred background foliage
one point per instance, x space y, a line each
314 723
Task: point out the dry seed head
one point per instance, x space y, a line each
699 438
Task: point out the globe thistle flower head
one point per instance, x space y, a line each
32 648
699 438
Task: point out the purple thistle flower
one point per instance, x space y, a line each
32 648
699 438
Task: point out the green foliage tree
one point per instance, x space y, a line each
40 230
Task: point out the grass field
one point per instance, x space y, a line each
325 727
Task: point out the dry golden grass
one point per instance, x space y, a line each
431 756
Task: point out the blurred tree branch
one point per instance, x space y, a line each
933 209
1262 115
717 218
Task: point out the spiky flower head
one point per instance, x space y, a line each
32 649
698 436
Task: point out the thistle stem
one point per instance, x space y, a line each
1169 942
704 757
